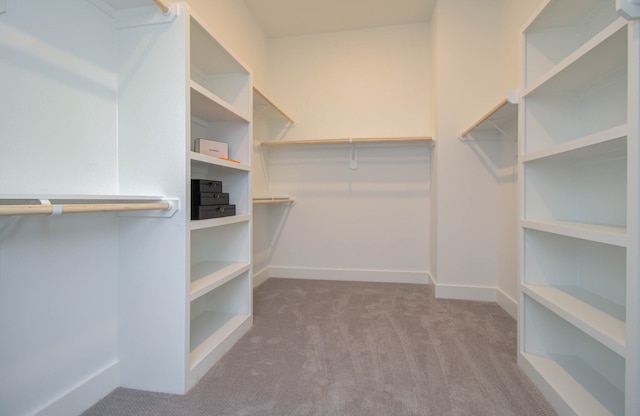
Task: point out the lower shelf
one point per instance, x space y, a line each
209 330
593 395
575 305
218 316
577 373
217 222
208 275
605 234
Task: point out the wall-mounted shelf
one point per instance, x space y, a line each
350 141
272 201
501 121
353 157
262 104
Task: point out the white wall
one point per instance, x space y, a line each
476 61
361 83
371 223
469 77
58 99
514 15
58 276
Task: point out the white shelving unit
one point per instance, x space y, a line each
578 335
220 284
187 293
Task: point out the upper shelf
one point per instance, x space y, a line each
262 103
500 121
351 141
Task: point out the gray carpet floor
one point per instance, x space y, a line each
343 348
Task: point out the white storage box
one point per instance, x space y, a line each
212 148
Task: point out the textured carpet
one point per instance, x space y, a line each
342 348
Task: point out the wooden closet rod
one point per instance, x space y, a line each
163 6
57 209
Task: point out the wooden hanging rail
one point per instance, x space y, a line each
57 209
163 6
350 141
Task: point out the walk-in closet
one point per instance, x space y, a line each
177 176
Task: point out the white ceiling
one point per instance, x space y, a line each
300 17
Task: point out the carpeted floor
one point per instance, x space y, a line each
341 348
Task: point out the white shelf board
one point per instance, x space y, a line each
207 106
207 276
606 234
561 373
209 330
584 146
560 14
214 161
217 222
603 327
208 55
274 200
598 57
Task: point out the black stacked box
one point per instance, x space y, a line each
208 200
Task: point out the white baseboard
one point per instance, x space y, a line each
85 394
507 303
431 280
261 277
466 292
462 292
350 275
479 293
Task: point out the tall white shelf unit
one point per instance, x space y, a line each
578 157
186 291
